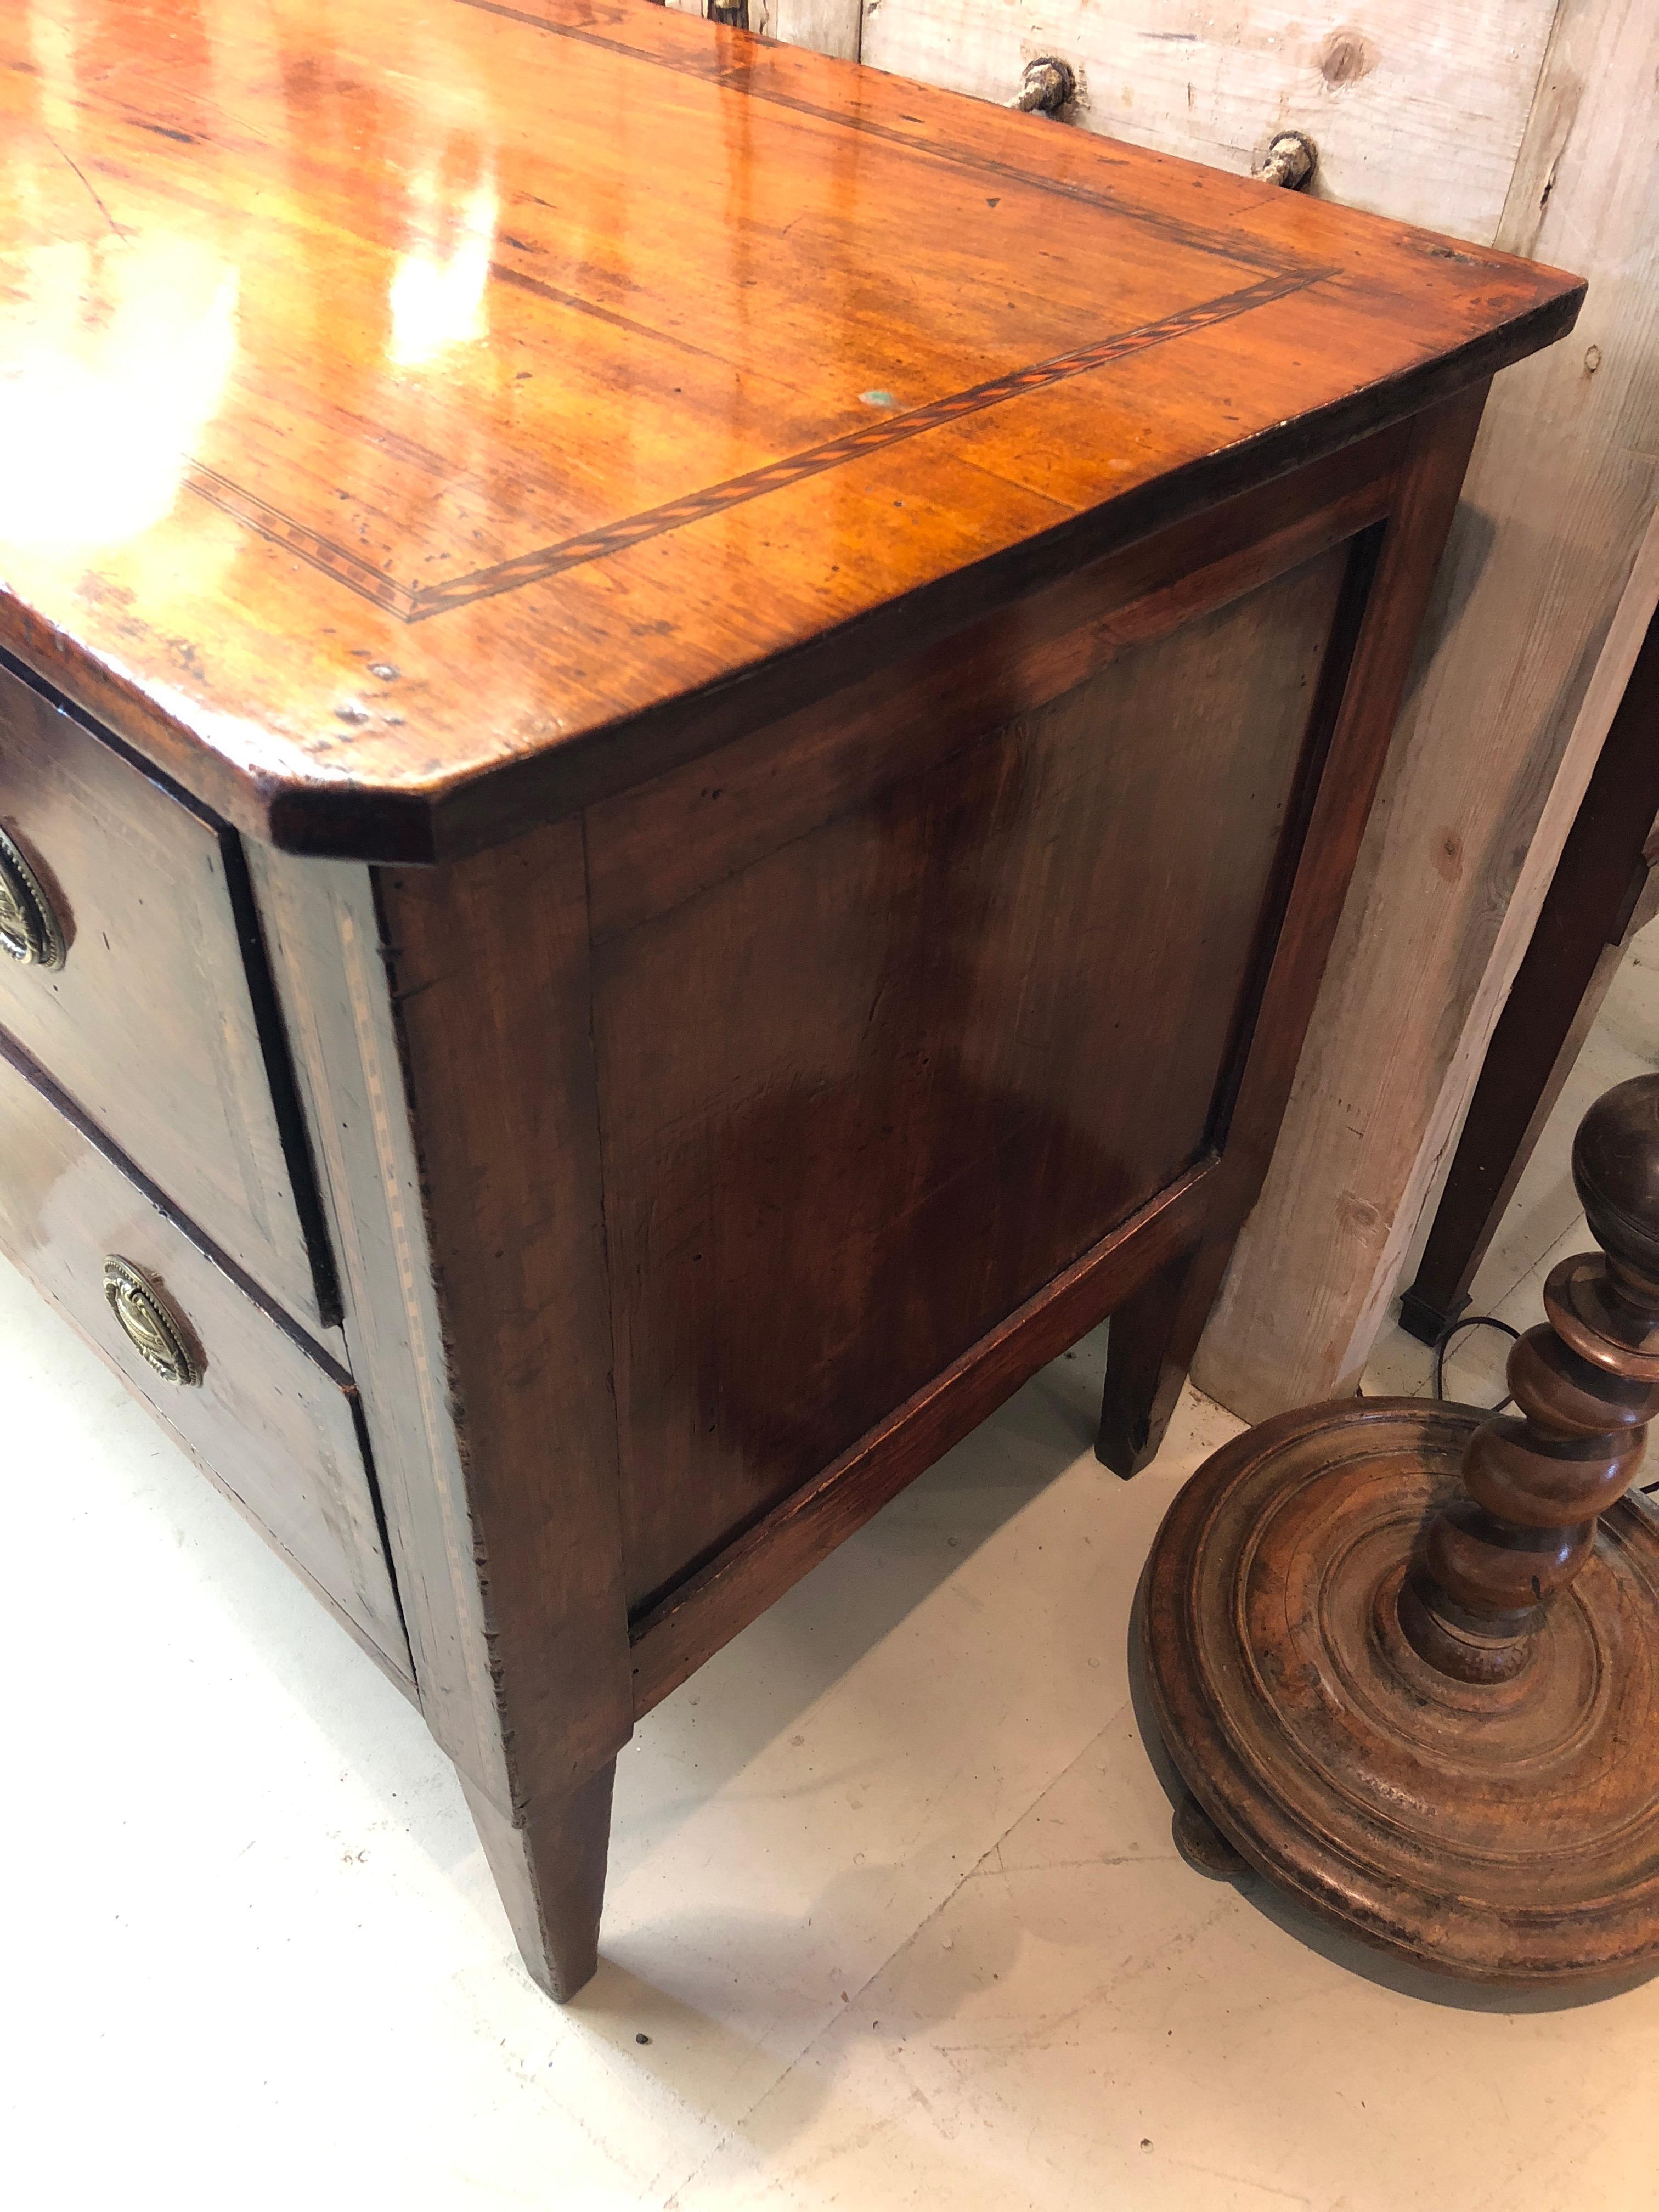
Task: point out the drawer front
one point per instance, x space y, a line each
273 1426
137 999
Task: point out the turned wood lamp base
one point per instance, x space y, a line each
1508 1832
1406 1656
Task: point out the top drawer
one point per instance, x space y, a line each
137 998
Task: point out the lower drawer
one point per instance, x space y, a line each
272 1424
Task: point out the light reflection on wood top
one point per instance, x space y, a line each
397 391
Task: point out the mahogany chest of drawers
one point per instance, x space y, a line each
681 729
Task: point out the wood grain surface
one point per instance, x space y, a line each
151 1024
865 1096
322 928
1604 890
489 968
274 1423
1527 644
412 395
1404 1656
702 1168
442 1028
673 1638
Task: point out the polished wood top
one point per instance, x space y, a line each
410 406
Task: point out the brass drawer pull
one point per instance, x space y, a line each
154 1331
28 927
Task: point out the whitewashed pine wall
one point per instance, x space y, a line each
1414 107
1530 125
1419 110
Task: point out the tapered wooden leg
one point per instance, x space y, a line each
1550 1014
1606 888
550 1875
1150 1343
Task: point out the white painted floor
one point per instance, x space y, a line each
895 1920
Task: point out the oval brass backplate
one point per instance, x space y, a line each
28 928
151 1328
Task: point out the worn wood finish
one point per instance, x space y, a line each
550 1867
882 622
323 929
707 1608
1425 1698
150 1022
866 1095
659 843
1605 889
1521 124
463 1112
271 1419
400 413
1149 1349
487 962
442 1031
1364 671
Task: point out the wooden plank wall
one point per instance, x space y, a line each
1559 493
1419 106
1414 104
1527 124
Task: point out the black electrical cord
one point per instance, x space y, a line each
1441 1342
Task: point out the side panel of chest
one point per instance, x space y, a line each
865 1094
704 1165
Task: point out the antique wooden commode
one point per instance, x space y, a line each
681 729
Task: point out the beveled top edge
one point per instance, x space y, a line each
214 643
319 818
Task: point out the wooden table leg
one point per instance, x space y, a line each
551 1873
1600 896
1150 1342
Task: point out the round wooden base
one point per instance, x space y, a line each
1507 1833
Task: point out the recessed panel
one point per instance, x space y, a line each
866 1096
